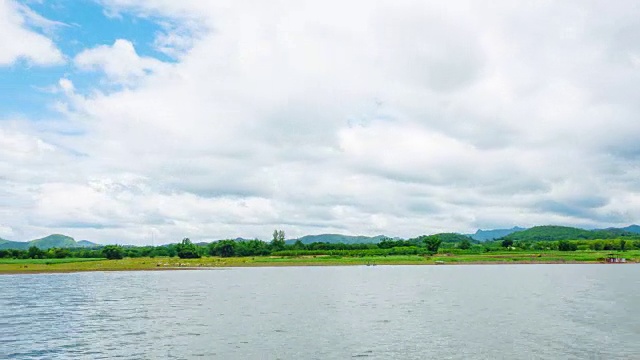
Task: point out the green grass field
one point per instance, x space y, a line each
47 261
8 266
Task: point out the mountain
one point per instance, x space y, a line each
555 233
86 243
18 245
47 242
338 238
454 237
55 240
632 229
484 235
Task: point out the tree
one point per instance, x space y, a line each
465 244
60 253
564 245
432 243
34 252
187 250
113 252
252 248
224 248
278 243
298 245
506 243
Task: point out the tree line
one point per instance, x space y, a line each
228 248
422 245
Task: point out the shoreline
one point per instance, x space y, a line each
16 269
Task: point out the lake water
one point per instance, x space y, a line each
381 312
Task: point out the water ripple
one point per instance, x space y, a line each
480 312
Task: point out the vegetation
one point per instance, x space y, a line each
540 244
168 263
506 243
555 233
564 245
338 239
113 252
48 242
432 243
187 250
278 242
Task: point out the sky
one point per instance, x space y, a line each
132 122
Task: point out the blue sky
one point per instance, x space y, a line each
125 118
82 24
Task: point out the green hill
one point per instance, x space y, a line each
338 238
55 240
555 233
51 241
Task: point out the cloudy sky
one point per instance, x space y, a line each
126 121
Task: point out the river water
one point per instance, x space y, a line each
366 312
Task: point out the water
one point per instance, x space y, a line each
381 312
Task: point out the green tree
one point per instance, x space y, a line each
507 243
465 244
432 243
224 248
252 248
187 250
113 252
564 245
277 243
298 245
60 253
623 244
34 252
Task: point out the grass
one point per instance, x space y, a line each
165 263
47 261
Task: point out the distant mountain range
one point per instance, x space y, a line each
555 233
338 238
51 241
631 228
485 235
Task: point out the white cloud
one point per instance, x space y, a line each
66 85
5 231
119 62
18 41
364 117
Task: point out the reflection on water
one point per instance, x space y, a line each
382 312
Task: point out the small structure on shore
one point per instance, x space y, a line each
614 259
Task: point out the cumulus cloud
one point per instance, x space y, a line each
119 62
19 41
395 117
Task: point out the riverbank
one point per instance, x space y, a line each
166 263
